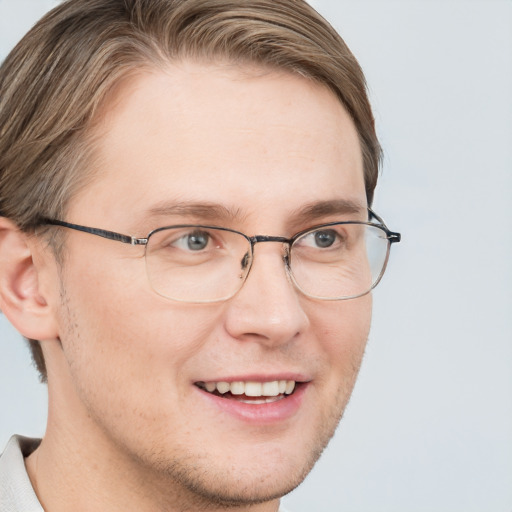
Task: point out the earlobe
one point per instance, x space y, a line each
21 298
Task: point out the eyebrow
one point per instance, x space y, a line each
216 213
204 210
334 207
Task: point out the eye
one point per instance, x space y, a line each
196 241
320 239
325 238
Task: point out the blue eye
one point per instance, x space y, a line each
320 239
195 241
325 238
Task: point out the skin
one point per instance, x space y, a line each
127 427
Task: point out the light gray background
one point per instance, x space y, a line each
429 427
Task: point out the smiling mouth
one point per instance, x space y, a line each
250 392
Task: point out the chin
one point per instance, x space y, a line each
246 488
265 472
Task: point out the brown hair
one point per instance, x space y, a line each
55 80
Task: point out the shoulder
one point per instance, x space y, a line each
16 492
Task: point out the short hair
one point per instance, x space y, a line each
55 81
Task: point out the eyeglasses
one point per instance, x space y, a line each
202 264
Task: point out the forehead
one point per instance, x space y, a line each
248 139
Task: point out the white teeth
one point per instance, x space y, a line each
267 400
237 388
211 386
252 389
270 388
223 387
290 386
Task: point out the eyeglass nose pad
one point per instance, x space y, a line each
286 258
245 264
245 261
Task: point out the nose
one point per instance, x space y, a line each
268 309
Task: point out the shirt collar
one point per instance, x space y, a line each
16 492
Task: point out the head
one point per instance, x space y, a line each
201 86
47 112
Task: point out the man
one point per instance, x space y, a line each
187 243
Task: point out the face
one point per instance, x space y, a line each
247 149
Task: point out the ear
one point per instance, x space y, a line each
21 298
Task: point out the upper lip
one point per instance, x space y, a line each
297 377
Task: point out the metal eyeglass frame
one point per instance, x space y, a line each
392 237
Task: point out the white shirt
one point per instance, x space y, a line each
16 492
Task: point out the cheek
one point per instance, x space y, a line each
348 319
127 340
344 328
130 362
340 333
127 333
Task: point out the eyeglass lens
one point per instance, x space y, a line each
200 264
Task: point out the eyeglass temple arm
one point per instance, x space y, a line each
393 236
111 235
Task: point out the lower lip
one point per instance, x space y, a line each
273 412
